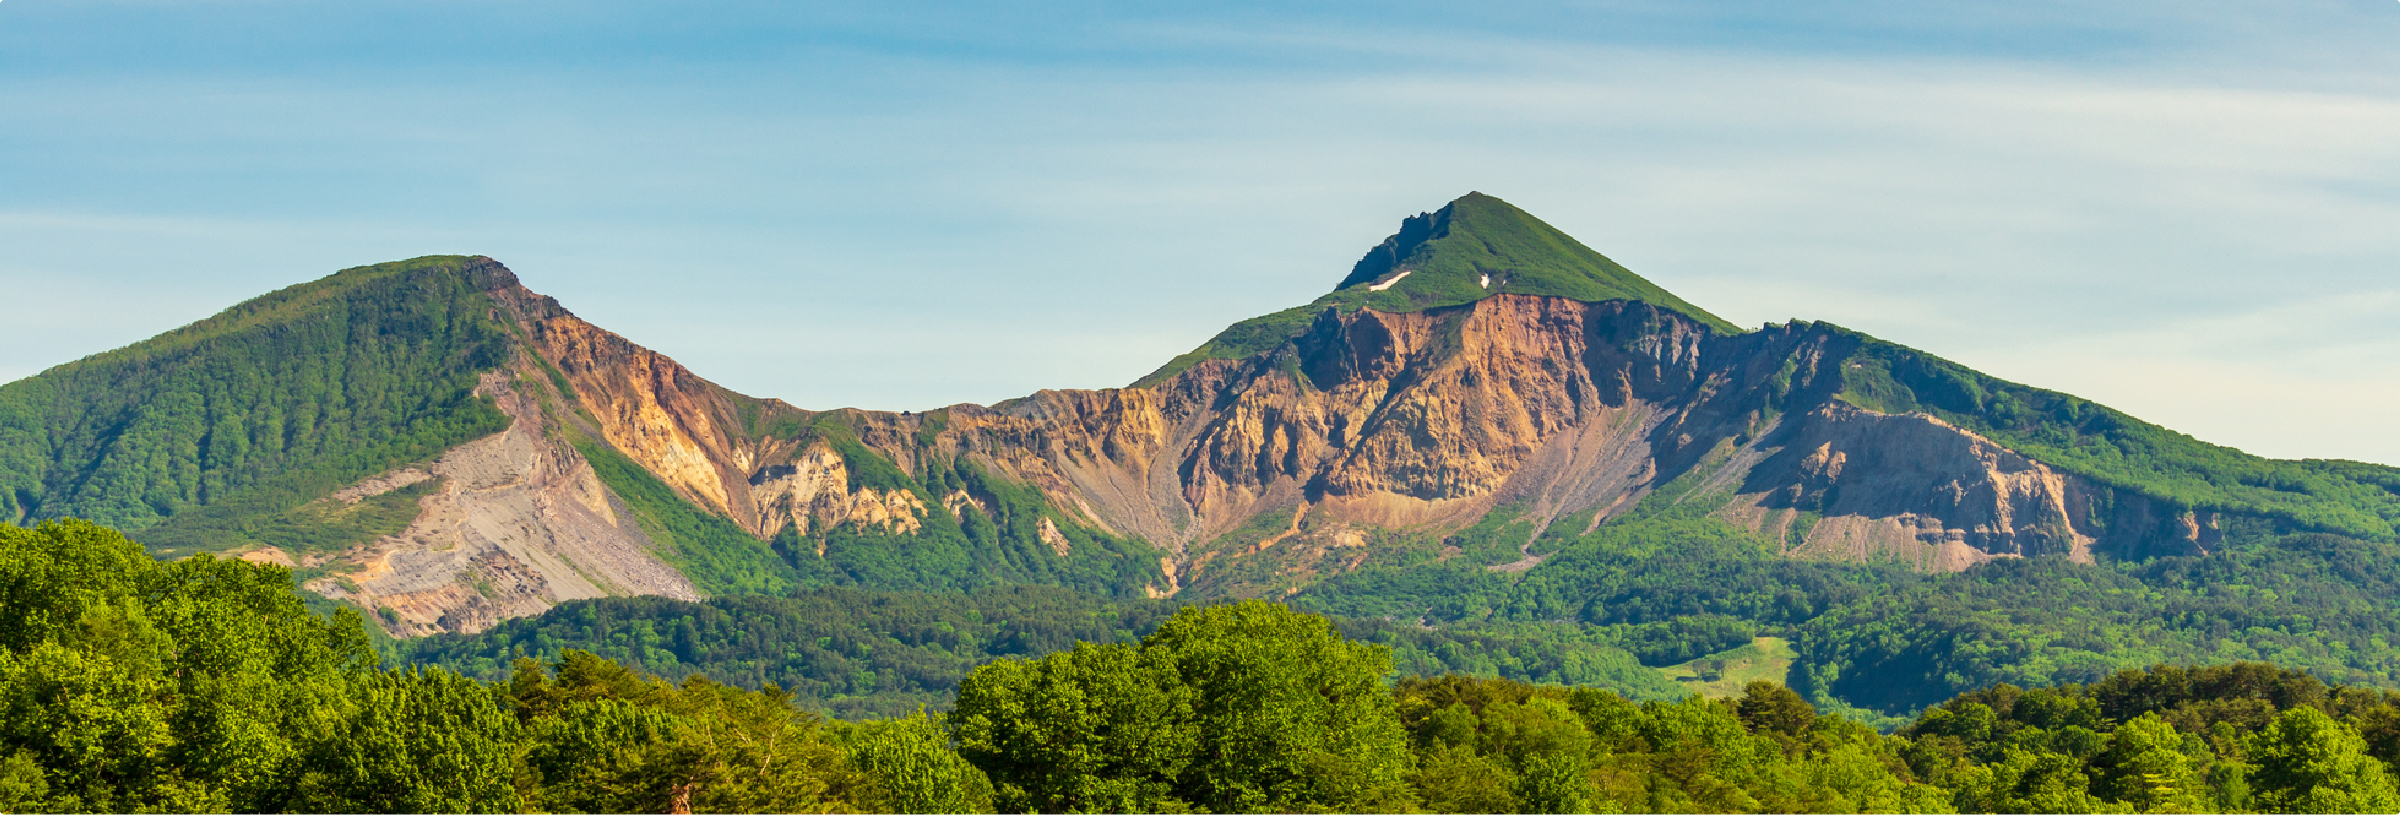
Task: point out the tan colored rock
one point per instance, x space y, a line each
520 524
1367 421
1047 530
378 485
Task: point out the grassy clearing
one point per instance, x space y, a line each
1723 674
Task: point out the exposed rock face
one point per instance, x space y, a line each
814 491
1915 488
678 426
1430 419
519 524
1422 421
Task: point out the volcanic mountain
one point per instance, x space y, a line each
430 440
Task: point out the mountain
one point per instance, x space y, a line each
1476 247
1481 402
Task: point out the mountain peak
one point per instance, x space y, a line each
1472 248
1478 246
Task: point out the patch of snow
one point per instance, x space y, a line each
1388 283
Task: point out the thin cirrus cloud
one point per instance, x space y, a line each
2179 209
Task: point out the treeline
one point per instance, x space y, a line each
205 685
848 652
853 653
995 539
1256 708
1879 641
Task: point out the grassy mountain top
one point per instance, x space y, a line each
1475 247
1479 246
261 408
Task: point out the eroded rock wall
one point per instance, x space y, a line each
1431 419
1368 420
518 524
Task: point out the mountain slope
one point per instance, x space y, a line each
267 405
434 441
431 441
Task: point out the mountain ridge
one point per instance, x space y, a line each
1480 391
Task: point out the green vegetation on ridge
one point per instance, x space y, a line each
1479 246
2091 440
717 555
258 410
995 540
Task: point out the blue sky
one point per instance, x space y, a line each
2189 210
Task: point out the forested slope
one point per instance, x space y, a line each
270 404
853 653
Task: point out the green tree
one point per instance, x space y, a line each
2023 781
1700 757
421 740
1454 778
1767 707
134 684
604 738
23 787
1230 708
1288 714
2145 766
1550 748
2307 762
911 768
1098 728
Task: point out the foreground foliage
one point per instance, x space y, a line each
2245 737
206 685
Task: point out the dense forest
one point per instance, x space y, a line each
131 684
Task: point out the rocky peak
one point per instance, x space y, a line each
1402 246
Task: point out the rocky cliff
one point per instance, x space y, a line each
1426 421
